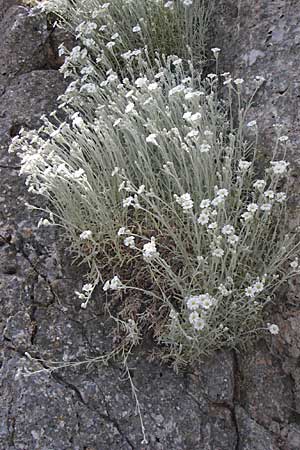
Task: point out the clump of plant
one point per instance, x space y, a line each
117 30
156 188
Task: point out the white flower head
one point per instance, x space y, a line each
193 303
129 108
279 167
85 235
227 229
281 197
197 321
151 139
187 2
203 219
273 328
218 252
222 193
259 185
233 239
238 81
150 250
266 207
141 82
216 51
136 29
244 165
252 208
205 203
294 264
204 147
185 201
129 242
247 216
122 231
252 124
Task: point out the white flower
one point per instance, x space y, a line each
192 134
233 239
259 184
152 87
122 231
273 329
106 285
218 252
197 322
185 201
195 117
239 81
187 116
177 62
193 94
115 284
279 167
141 189
203 219
129 108
85 235
206 301
149 250
193 302
141 82
269 194
266 207
129 242
283 138
222 192
218 200
294 264
177 89
169 4
128 201
110 44
258 286
152 139
244 165
250 292
204 148
252 208
227 229
224 291
187 2
87 287
213 226
216 51
205 203
44 222
251 124
77 121
281 197
247 216
136 29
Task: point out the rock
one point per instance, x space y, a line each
261 38
266 391
24 37
27 98
253 436
5 5
215 405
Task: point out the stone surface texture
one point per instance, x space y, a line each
232 402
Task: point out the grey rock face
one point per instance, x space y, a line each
262 38
232 402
